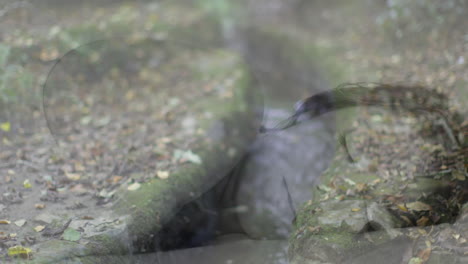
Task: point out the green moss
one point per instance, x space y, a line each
336 237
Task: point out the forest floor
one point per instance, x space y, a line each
96 102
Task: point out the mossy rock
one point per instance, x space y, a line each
332 231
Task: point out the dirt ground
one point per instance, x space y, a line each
80 123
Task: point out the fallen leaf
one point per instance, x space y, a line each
415 261
402 207
20 222
314 229
355 209
71 234
428 243
20 251
406 219
180 155
6 126
422 221
39 228
425 254
105 194
162 174
116 179
361 187
418 206
134 186
422 231
4 222
165 140
39 206
27 184
86 120
174 101
72 176
79 189
49 54
376 181
349 181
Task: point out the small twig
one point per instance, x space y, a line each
342 140
290 201
448 130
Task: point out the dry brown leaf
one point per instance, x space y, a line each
406 219
116 179
39 206
425 254
361 187
423 221
314 229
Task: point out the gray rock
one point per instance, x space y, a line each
279 175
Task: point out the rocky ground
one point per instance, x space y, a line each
410 170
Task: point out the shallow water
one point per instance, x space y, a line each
229 250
